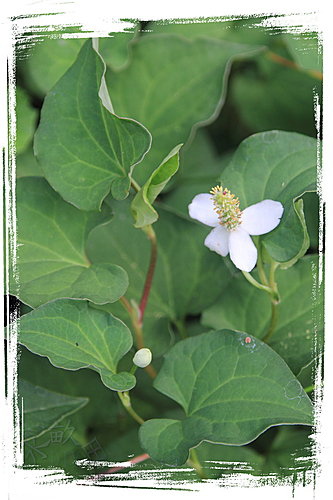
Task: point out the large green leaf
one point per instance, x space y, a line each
279 166
187 277
85 432
300 312
47 61
74 335
273 94
49 58
83 148
231 386
170 85
237 30
51 256
141 206
199 159
43 409
216 459
26 117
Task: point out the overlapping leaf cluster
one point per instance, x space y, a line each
174 108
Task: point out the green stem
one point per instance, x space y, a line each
137 327
310 388
272 282
78 437
256 283
126 402
260 266
275 301
181 328
269 286
135 312
126 305
194 462
135 185
273 323
133 369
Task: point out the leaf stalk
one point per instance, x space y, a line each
194 462
267 285
126 402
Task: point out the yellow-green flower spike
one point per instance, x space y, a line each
227 207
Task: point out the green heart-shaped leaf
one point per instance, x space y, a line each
170 85
300 312
82 147
51 256
73 335
43 409
279 166
231 386
141 206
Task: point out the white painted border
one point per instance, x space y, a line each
96 15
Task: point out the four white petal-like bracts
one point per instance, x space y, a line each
233 228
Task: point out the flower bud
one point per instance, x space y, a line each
142 357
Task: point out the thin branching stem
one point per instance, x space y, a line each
256 283
126 402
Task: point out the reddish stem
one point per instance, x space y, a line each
137 315
291 64
135 460
150 273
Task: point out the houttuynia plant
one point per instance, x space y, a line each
167 250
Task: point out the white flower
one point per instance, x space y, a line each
142 357
233 227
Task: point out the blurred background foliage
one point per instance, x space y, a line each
274 88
